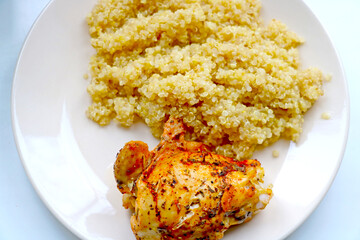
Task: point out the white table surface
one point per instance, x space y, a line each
24 216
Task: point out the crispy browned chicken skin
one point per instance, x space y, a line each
182 190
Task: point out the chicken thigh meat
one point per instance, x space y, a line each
182 190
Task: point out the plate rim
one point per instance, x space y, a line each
347 127
16 131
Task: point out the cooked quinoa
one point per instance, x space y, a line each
234 81
325 116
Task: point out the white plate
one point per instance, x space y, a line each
69 158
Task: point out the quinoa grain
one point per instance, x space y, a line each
235 82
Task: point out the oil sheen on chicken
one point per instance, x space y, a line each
182 190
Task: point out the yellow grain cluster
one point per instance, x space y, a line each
235 82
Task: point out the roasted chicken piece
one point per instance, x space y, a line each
182 190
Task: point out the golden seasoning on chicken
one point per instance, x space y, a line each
182 190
